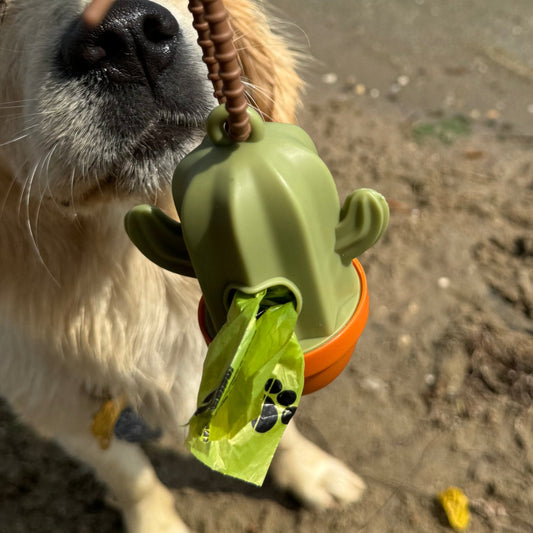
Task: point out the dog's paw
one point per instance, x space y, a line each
314 477
155 512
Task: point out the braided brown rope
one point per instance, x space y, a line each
229 71
215 37
206 44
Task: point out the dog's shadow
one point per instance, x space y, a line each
180 470
43 489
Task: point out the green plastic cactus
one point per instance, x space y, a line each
263 213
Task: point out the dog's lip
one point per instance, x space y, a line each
165 118
167 131
163 136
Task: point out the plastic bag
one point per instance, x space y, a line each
251 386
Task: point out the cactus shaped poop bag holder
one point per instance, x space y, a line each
262 229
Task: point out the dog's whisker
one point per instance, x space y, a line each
28 128
52 197
14 181
256 88
31 233
25 100
49 157
257 46
29 184
253 103
25 115
28 132
72 176
45 188
10 108
24 186
4 202
98 184
279 23
43 192
13 116
14 105
15 140
297 49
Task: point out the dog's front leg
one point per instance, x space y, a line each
313 476
147 506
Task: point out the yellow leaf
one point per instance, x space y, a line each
455 505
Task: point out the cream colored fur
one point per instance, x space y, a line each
83 314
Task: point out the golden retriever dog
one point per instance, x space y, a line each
92 122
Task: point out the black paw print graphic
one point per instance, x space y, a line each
270 411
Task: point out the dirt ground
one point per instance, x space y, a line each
430 103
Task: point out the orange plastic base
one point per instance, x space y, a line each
327 361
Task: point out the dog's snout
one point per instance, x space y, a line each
136 41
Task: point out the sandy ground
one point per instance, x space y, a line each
430 103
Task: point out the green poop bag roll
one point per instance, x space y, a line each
251 385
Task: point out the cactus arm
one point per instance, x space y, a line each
363 220
159 238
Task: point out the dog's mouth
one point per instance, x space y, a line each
169 135
142 169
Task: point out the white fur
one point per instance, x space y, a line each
83 314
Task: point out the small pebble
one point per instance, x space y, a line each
430 380
403 80
405 340
395 88
374 93
330 78
443 282
360 89
530 108
374 384
413 308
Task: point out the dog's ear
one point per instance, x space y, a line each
267 62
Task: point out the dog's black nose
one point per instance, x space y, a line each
136 41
